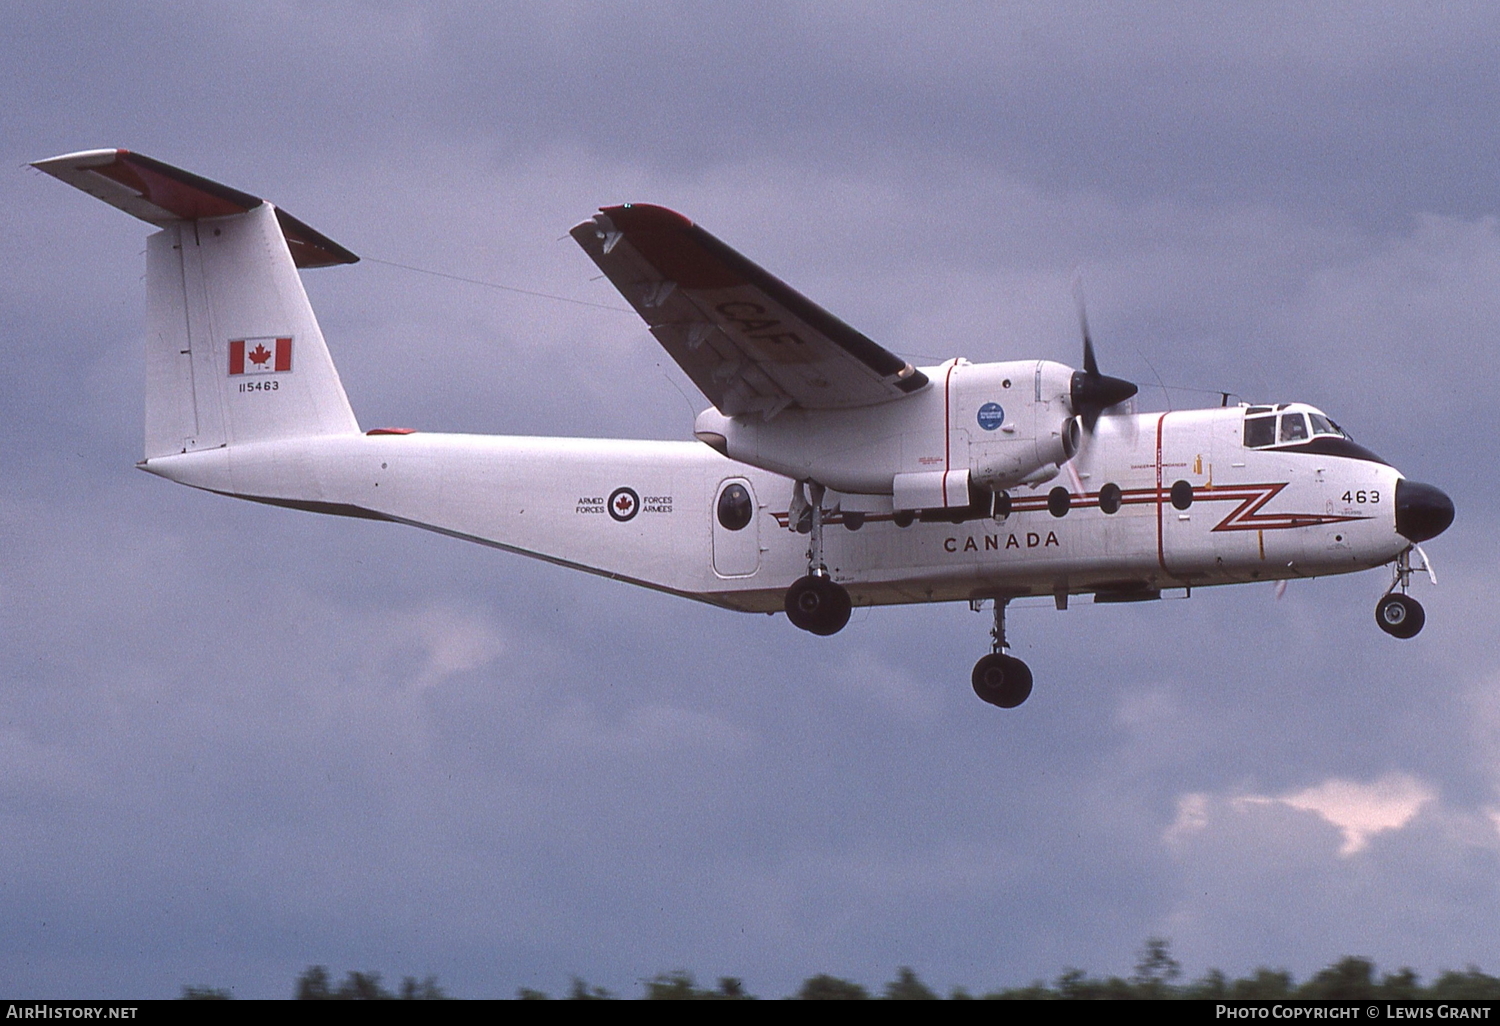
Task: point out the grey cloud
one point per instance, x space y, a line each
236 740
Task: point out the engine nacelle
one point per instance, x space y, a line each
995 425
1016 430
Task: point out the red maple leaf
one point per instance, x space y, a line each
260 354
622 503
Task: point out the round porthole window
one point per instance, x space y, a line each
1058 501
735 508
1182 495
1110 498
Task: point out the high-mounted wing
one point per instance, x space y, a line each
161 194
751 342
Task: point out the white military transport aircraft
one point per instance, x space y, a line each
985 482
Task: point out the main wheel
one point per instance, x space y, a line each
1002 680
818 605
1400 616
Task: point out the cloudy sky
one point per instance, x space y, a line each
237 740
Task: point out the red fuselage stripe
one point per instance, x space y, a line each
947 429
1161 552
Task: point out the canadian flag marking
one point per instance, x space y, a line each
260 355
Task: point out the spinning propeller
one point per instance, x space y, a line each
1091 392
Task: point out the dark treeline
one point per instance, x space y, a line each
1157 977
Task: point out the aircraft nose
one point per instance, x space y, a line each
1422 511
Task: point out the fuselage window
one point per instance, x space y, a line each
1293 427
1260 431
1110 498
1182 494
735 509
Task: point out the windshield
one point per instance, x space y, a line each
1287 424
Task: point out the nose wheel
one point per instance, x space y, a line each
998 678
1397 613
1400 616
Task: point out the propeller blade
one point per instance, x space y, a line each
1092 393
1090 365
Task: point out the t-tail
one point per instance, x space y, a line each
228 320
242 399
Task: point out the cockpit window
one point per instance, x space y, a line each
1260 431
1298 427
1288 424
1321 425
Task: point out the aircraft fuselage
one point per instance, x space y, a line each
645 512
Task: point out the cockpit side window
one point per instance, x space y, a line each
1321 425
1293 427
1260 431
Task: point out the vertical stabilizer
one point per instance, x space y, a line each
234 353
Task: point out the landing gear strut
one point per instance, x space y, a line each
816 603
998 678
1397 613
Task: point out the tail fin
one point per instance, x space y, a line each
234 353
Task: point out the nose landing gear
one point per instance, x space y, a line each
1001 679
1397 613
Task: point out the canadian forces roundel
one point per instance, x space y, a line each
623 504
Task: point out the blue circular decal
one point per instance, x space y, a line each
991 415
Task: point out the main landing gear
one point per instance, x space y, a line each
998 678
815 603
1397 613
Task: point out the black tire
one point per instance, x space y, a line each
1400 616
817 605
1002 680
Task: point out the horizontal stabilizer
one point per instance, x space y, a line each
161 194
